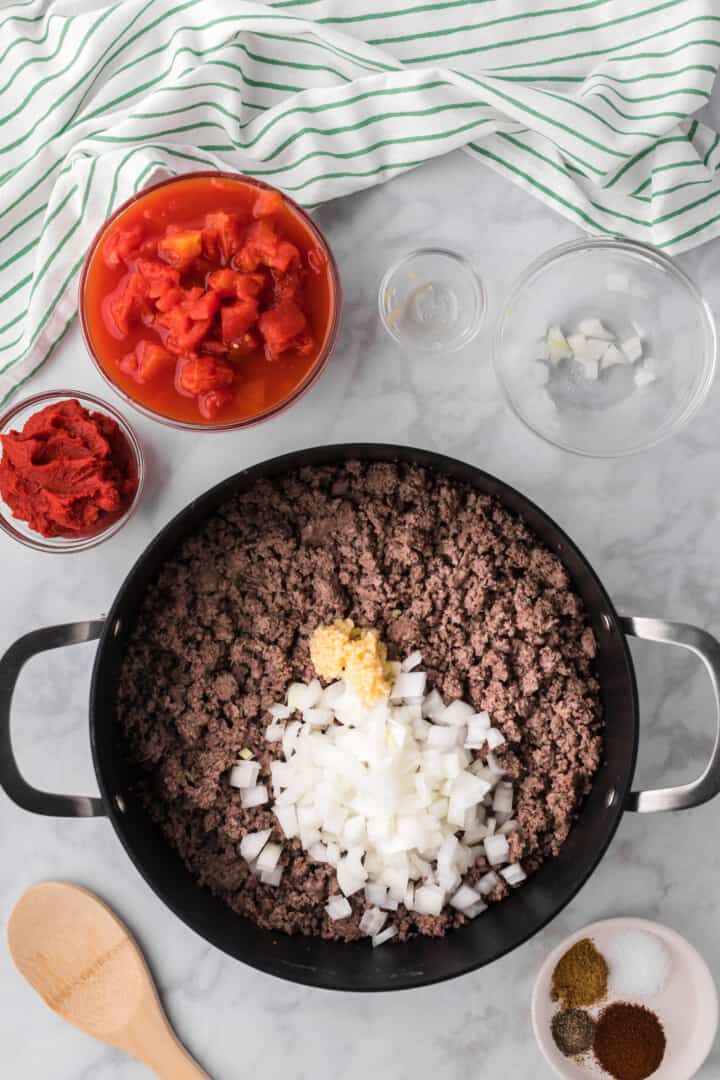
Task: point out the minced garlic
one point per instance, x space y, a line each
345 651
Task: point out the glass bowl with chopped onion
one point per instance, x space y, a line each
605 347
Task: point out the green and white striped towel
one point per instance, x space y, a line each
588 105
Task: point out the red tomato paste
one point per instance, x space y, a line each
209 299
69 472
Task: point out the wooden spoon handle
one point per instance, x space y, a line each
169 1059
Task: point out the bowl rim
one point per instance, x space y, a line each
310 377
653 255
69 545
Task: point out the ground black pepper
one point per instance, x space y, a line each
629 1041
573 1030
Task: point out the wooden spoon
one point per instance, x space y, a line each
85 965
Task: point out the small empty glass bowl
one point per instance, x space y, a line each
635 292
432 300
14 420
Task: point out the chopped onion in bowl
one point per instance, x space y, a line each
279 712
274 732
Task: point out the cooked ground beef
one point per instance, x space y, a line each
433 564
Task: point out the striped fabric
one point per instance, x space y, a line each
587 105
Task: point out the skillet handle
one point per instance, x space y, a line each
11 780
704 645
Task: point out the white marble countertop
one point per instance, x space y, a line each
649 524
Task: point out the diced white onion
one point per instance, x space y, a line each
252 844
509 826
514 874
244 774
593 328
457 713
376 894
254 796
279 712
433 706
272 877
487 883
494 738
412 661
442 738
475 910
464 898
317 717
269 857
408 684
496 849
383 936
429 899
274 732
372 921
503 798
632 348
287 816
338 907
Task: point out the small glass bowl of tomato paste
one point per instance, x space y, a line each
210 301
71 471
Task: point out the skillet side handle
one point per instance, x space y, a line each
707 648
11 780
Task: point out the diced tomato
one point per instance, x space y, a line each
222 282
146 361
263 247
267 203
204 306
181 247
131 305
185 334
236 319
248 286
280 325
122 245
198 374
287 286
172 298
211 402
160 278
221 237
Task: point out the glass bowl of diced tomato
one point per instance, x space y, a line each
210 301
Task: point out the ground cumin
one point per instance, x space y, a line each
580 976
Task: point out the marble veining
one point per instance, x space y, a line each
649 524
